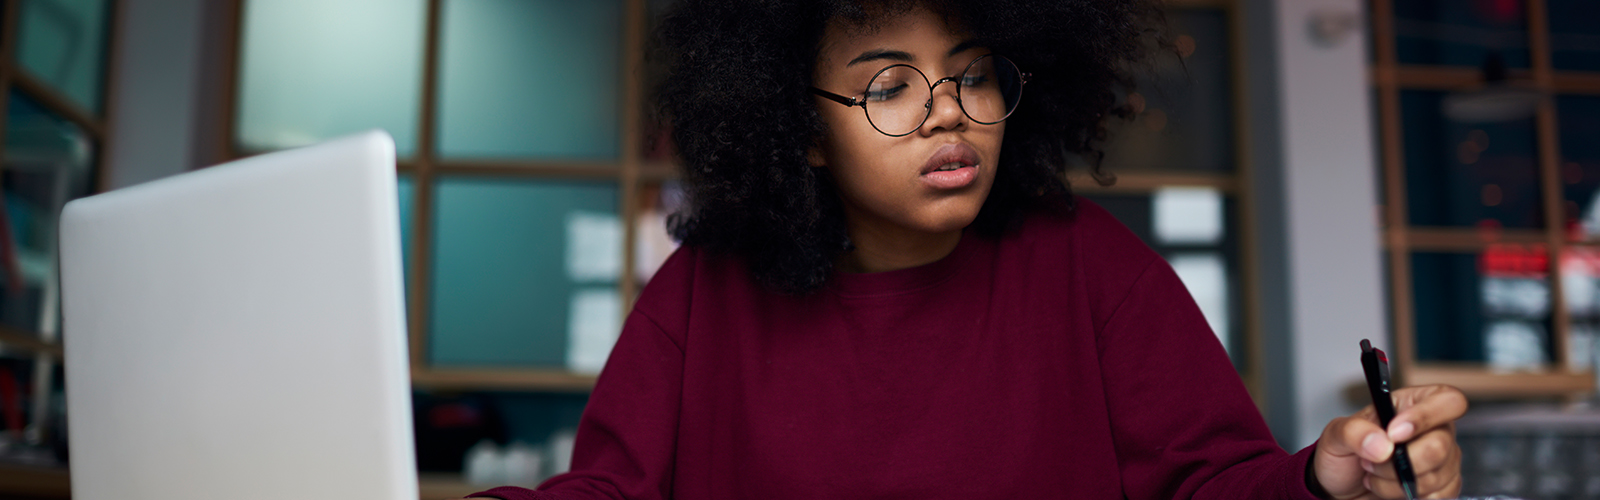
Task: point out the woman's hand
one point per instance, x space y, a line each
1352 458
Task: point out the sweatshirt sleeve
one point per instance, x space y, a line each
1182 422
628 434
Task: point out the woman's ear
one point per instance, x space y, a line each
815 157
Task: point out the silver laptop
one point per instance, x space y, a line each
238 332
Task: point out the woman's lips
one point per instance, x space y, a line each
938 173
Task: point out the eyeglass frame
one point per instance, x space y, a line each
857 101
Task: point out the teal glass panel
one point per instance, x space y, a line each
1489 307
1580 162
1183 108
1574 35
513 258
63 43
1460 33
1468 174
530 79
310 70
47 161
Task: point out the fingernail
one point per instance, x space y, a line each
1367 464
1375 446
1401 431
1366 482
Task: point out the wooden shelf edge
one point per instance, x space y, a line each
1460 239
34 482
12 337
502 379
444 486
1482 383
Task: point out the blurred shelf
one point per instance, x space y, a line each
23 481
1460 239
444 486
1480 382
1412 76
13 337
570 169
502 379
557 169
659 170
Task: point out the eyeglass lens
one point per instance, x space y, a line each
898 98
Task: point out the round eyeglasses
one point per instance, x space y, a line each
899 98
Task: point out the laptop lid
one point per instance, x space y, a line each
238 331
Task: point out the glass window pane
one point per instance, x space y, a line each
314 69
47 162
1579 123
1185 113
1468 174
63 43
1458 33
1574 34
530 78
1207 265
1491 307
521 266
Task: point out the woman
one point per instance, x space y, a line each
887 292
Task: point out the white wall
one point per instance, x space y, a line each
1313 152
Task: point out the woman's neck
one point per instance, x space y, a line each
883 247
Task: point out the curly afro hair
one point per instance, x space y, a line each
737 94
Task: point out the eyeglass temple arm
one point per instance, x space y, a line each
847 101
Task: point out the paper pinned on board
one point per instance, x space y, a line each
594 247
593 323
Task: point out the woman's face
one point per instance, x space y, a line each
933 180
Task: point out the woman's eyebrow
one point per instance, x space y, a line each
962 47
902 56
874 55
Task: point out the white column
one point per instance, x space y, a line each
1313 151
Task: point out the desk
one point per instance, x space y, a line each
52 483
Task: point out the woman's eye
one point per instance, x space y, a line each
885 93
974 80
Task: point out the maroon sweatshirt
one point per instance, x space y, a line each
1064 360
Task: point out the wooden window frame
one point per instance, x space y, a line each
37 481
426 167
634 172
1400 239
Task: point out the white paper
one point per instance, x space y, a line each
594 247
593 323
1187 215
1207 280
1515 345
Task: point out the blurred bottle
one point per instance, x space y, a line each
484 464
523 465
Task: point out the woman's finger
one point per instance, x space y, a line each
1424 408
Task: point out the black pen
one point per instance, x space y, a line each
1376 364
